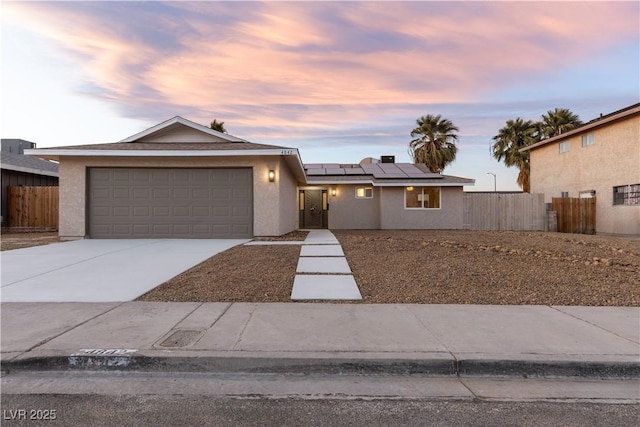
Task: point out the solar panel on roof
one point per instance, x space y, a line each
316 171
313 166
335 171
355 171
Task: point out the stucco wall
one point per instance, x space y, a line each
393 214
613 160
266 196
288 196
348 212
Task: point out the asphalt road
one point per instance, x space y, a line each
95 410
99 398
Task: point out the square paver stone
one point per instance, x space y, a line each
321 250
336 265
339 287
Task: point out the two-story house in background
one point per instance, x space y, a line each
600 158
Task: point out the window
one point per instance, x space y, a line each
564 194
564 147
588 139
364 192
626 195
422 197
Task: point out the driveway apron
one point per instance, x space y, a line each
100 270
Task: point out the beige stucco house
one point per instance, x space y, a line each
179 179
600 158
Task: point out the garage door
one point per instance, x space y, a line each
170 203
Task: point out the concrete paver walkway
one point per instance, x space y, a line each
323 270
100 270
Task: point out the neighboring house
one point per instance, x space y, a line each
21 170
179 179
600 158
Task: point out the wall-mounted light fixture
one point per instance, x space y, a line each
272 175
409 188
333 192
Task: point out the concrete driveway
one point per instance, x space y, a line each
99 270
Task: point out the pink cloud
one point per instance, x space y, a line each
348 54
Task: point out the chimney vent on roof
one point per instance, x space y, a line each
388 159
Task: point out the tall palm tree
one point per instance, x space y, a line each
558 121
434 142
219 126
516 134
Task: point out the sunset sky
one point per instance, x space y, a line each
340 81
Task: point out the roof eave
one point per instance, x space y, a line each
584 128
29 170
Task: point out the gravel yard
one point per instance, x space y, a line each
423 267
10 241
434 267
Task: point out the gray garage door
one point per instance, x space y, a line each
170 203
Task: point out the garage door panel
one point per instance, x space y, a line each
165 203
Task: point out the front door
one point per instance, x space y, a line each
313 208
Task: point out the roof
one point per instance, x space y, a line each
593 124
180 121
380 174
27 164
160 146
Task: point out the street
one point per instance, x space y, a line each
153 399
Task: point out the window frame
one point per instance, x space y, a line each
564 147
629 196
422 199
588 139
364 192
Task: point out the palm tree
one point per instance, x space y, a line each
558 121
434 142
219 126
516 134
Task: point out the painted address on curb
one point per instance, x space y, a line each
101 357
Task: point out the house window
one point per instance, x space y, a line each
564 194
626 195
422 197
588 139
364 192
564 147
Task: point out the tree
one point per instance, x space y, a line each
558 121
520 133
516 134
219 126
434 142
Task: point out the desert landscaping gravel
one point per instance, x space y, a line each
422 267
434 267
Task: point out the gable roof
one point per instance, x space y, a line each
624 113
180 121
27 164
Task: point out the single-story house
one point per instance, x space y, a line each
600 158
179 179
20 170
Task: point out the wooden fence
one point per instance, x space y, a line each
500 211
33 207
575 215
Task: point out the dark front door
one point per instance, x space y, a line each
314 208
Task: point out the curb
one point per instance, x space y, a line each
331 366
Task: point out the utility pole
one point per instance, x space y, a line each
495 188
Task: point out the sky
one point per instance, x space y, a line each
340 81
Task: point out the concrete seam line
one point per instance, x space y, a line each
592 324
74 327
244 327
434 335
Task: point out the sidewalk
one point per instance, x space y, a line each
441 340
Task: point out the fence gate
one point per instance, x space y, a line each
575 215
33 207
